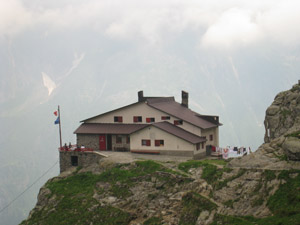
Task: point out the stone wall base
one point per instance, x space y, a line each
69 159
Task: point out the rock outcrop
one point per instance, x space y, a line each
281 149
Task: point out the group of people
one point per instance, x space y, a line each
71 147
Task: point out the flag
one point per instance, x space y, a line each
55 113
57 121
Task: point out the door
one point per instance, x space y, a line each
102 142
109 142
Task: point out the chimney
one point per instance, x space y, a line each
140 96
184 99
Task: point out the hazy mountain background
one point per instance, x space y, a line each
92 56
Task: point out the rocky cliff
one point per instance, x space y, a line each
281 149
261 188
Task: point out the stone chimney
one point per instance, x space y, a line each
185 99
140 96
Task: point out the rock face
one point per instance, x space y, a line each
281 149
283 116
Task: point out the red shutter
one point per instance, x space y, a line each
120 119
157 142
148 143
135 119
148 120
175 122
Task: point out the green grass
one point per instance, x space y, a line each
295 134
75 204
219 185
186 166
193 204
153 221
269 175
286 200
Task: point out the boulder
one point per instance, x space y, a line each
291 147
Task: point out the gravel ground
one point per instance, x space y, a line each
127 157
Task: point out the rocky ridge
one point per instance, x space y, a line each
281 149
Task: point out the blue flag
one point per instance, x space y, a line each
57 121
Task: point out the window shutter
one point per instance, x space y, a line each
148 120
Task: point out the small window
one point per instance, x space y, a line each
150 120
165 118
178 122
146 142
74 160
137 119
128 140
211 137
118 119
202 145
198 146
118 139
159 143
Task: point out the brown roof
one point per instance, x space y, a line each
179 132
108 128
176 109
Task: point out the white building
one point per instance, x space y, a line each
152 125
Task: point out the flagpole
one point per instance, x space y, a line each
59 128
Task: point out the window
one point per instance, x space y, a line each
198 146
211 137
165 118
159 143
150 120
146 142
128 140
178 122
137 119
118 139
202 146
74 160
118 119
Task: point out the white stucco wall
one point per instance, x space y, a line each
215 133
142 109
152 133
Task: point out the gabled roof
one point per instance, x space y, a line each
112 111
179 132
170 106
177 110
108 128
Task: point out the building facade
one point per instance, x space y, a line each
151 125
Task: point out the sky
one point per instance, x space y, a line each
90 56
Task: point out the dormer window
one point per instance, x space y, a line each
178 122
118 119
150 120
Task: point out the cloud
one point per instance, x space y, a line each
14 17
233 28
217 24
48 83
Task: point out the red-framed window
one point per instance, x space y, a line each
146 142
137 119
150 119
178 122
118 119
159 143
211 137
119 139
165 118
